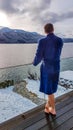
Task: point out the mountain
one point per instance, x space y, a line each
8 35
67 40
66 36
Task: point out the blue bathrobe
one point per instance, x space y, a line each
49 51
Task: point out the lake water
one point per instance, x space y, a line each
18 55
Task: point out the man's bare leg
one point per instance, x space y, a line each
51 100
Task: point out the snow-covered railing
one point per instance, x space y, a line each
21 54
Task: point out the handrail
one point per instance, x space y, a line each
15 66
26 64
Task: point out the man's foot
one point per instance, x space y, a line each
46 110
52 111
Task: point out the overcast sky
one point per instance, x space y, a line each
31 15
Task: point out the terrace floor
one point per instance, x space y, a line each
36 119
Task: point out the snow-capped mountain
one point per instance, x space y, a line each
8 35
66 34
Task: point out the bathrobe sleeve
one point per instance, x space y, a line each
39 53
60 45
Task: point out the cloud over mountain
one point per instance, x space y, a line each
34 12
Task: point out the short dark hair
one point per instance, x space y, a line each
49 28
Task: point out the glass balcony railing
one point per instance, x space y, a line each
19 86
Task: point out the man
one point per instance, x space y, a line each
49 51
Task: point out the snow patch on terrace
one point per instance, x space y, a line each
67 75
13 104
33 86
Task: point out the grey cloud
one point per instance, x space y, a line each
53 17
10 6
37 10
21 6
63 16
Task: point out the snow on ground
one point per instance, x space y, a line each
12 104
34 85
67 75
